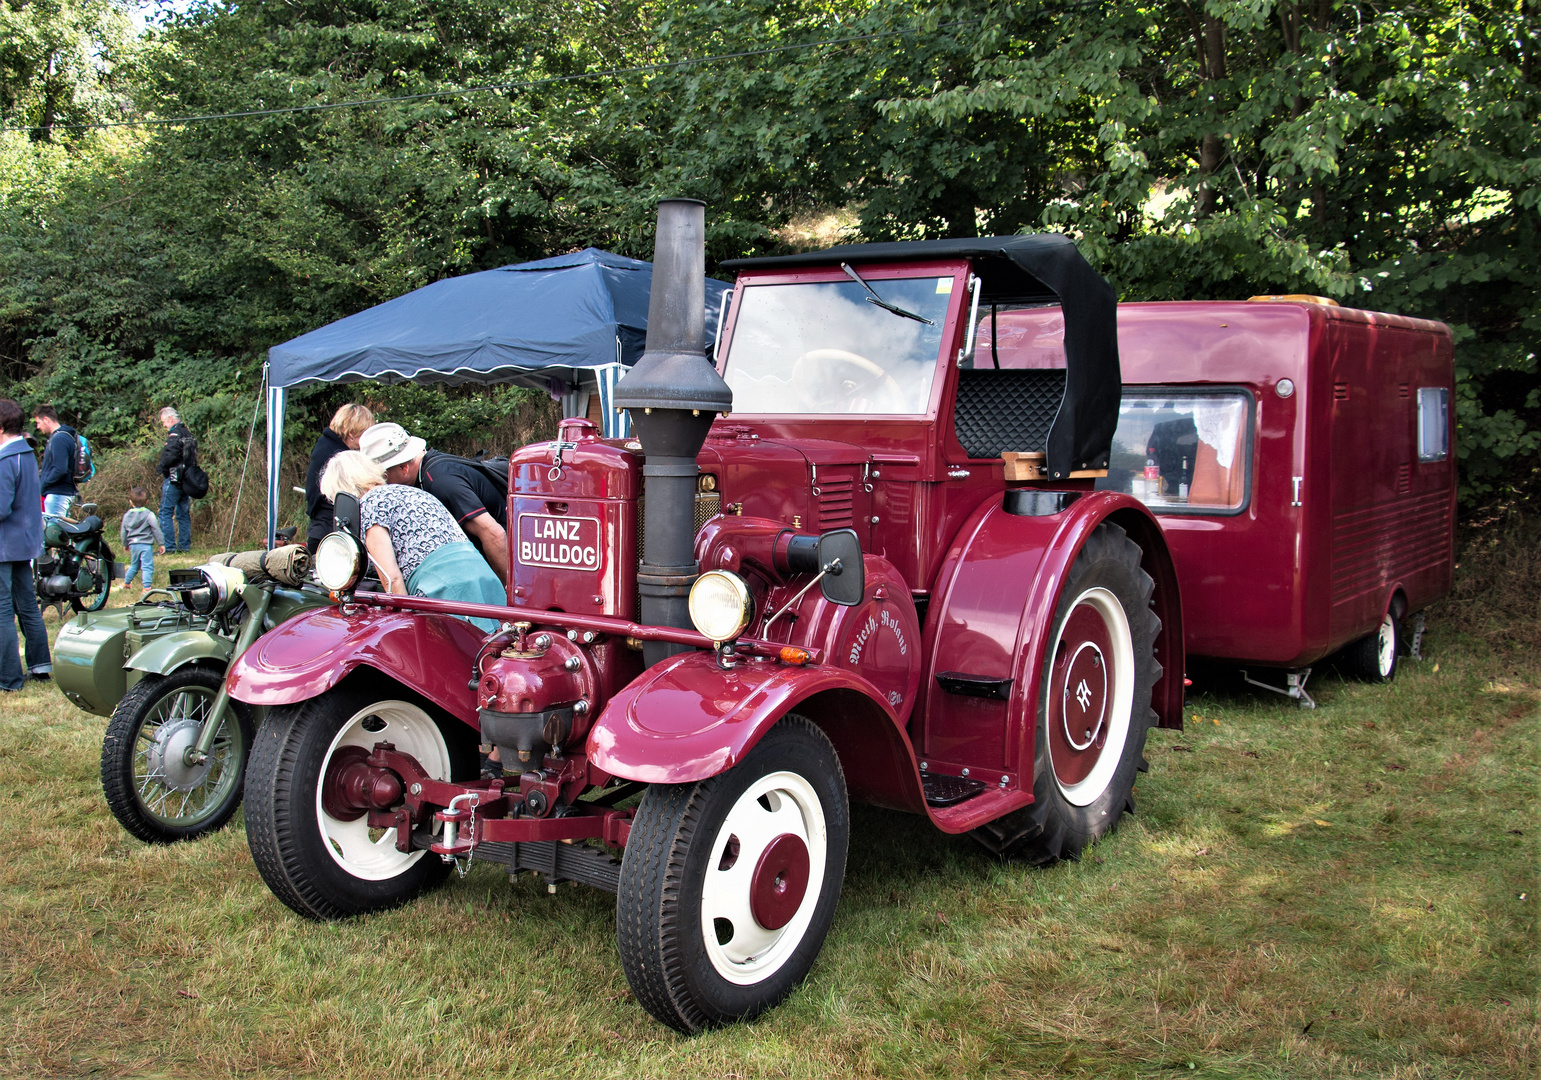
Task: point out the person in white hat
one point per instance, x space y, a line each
473 498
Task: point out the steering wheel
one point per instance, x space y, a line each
825 377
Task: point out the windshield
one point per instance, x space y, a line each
822 347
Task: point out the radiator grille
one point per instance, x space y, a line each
708 506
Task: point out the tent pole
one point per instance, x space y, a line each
277 396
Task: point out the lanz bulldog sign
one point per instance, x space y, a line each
565 543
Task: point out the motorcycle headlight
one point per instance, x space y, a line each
720 605
339 562
217 588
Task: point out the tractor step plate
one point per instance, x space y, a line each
947 790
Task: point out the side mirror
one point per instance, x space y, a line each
345 512
845 578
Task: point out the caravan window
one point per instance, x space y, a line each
1184 451
1433 423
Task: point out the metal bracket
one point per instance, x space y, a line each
1294 686
555 472
1415 646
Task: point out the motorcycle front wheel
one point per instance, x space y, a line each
151 788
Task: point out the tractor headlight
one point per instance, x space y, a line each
339 561
720 605
216 588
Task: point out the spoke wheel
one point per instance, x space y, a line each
326 862
1094 706
153 788
729 886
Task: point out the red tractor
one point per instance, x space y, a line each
885 577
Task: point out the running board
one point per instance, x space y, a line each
949 790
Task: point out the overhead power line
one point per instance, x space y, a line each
523 84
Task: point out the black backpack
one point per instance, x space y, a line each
193 481
493 468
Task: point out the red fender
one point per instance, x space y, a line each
687 719
308 655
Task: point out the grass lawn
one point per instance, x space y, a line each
1345 892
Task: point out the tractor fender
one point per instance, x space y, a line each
992 616
309 654
165 654
687 719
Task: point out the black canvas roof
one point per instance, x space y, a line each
1045 265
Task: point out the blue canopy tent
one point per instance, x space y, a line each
570 325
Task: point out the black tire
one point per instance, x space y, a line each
320 866
669 925
150 789
1083 776
101 570
1374 657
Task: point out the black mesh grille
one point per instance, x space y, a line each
1006 410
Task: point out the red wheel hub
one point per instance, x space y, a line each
1079 691
352 787
780 881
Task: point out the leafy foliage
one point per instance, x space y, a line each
1384 155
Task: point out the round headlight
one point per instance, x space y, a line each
219 588
720 605
339 561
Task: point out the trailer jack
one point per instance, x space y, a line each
1294 686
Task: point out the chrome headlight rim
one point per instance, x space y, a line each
721 606
221 588
339 561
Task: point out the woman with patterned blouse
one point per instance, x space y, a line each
417 547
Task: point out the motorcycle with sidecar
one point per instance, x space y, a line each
885 576
175 748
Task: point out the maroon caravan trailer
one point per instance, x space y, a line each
1300 458
885 577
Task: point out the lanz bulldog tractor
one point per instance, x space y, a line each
885 577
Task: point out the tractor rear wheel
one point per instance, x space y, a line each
1094 706
728 886
326 866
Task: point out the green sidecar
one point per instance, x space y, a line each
175 749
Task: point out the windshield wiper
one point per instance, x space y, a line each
874 298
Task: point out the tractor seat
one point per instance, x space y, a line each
1009 409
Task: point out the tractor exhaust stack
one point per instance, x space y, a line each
673 395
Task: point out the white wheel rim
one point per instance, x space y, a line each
1386 646
753 953
348 842
1090 789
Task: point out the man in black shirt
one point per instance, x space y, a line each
475 500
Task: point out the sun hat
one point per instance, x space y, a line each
390 445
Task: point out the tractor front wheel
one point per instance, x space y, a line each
728 886
1094 706
327 863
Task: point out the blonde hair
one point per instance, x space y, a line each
352 420
352 472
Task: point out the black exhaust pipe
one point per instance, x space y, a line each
673 395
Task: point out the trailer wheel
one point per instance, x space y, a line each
1094 707
322 866
1373 658
729 885
151 788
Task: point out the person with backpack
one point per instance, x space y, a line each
477 501
60 456
178 457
